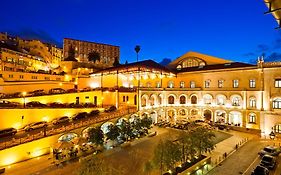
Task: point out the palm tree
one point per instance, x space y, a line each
137 49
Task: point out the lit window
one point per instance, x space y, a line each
252 118
220 83
277 83
158 84
221 100
182 84
235 83
207 99
170 84
235 101
253 102
193 99
192 84
276 104
277 128
252 83
207 83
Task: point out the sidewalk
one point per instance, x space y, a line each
228 145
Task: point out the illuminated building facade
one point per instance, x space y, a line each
107 53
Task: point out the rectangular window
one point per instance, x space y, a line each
207 83
278 83
21 76
1 75
192 84
235 83
276 104
47 78
182 84
252 83
11 76
87 97
220 83
58 79
124 98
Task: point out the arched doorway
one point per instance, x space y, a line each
235 118
208 115
220 116
171 115
153 115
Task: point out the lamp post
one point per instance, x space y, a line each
272 135
128 107
137 49
23 94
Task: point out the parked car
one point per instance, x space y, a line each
268 161
7 132
74 105
270 150
94 112
80 115
86 89
71 90
5 103
260 170
57 91
35 104
57 105
37 92
63 119
110 109
35 125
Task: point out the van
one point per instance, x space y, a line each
7 132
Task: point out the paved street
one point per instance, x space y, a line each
245 160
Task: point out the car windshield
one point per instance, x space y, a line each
267 159
259 169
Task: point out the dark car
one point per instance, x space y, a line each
35 104
7 132
94 113
110 109
71 90
270 150
260 170
57 105
63 119
35 125
5 103
268 161
57 91
80 115
38 92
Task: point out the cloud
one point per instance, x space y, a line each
262 48
275 56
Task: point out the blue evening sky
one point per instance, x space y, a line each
232 29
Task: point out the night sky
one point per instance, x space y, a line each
232 29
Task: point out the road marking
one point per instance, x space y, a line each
251 165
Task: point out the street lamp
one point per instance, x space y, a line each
272 135
128 107
23 94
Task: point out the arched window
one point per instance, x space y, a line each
171 99
194 112
252 118
182 84
207 99
182 99
171 84
252 102
236 100
159 100
276 104
193 99
221 99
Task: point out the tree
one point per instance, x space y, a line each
125 129
137 49
203 139
116 62
126 62
71 54
113 132
94 56
96 135
166 155
146 122
94 165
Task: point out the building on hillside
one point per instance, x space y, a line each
103 55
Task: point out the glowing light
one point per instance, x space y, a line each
36 153
24 94
227 105
46 119
17 125
94 85
60 84
9 160
145 76
152 76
